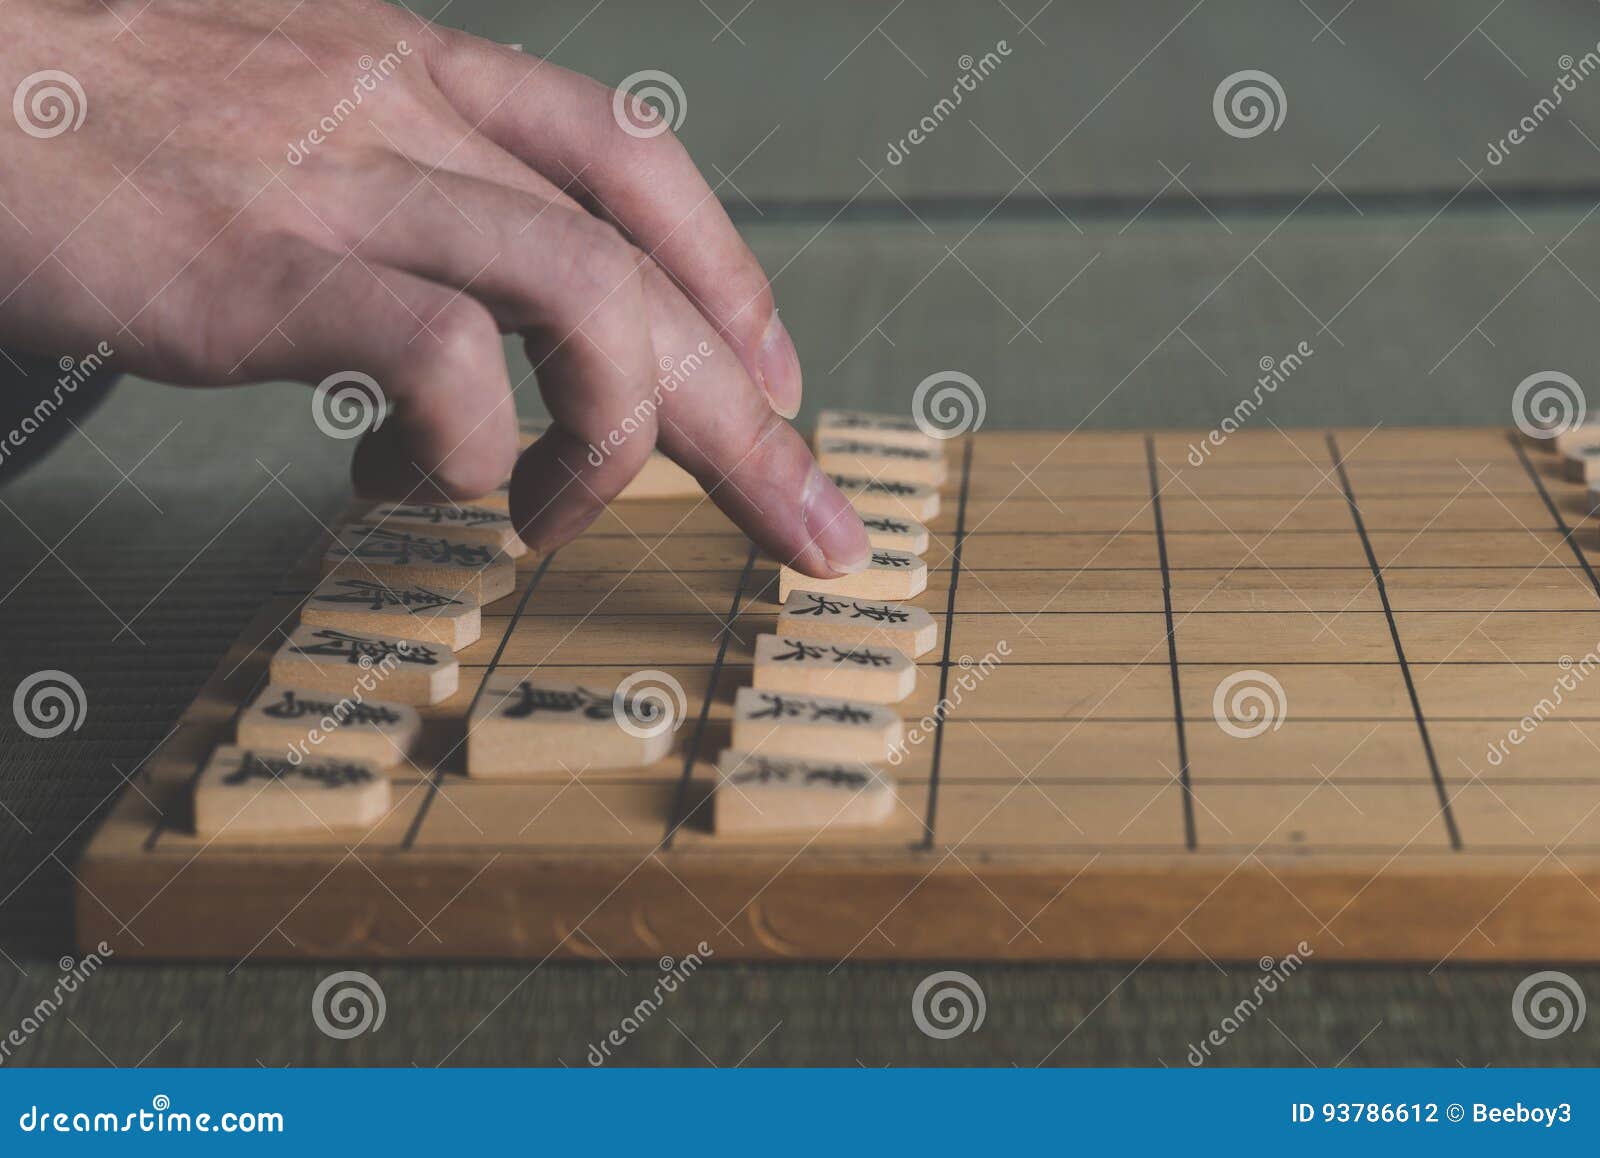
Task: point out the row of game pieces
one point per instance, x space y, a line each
810 739
403 590
1579 449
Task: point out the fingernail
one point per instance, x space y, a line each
833 525
779 364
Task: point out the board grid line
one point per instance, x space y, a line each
679 814
409 840
1399 648
932 817
1190 838
1568 533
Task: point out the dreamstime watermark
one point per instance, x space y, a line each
1572 72
49 103
74 373
348 1004
1273 974
973 73
673 974
948 1004
1274 373
947 404
160 1118
1548 403
335 715
1574 672
73 974
1248 103
649 703
347 404
373 72
648 103
1248 703
48 703
1548 1004
973 673
674 373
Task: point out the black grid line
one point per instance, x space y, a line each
1568 534
680 804
944 662
1189 838
1399 648
415 827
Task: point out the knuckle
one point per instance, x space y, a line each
747 454
461 336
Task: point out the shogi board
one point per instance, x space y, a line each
1413 592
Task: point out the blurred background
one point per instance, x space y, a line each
1088 235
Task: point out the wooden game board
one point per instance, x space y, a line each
1413 592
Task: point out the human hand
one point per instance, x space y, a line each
263 189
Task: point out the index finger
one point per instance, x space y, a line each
601 145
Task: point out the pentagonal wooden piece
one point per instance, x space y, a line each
825 618
484 526
895 429
889 575
813 727
405 557
888 496
241 794
896 532
878 674
533 727
757 795
864 456
298 723
411 611
351 663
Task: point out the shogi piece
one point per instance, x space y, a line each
349 663
1581 463
879 675
1568 439
758 794
824 618
1556 435
539 727
241 793
855 456
483 526
413 611
892 429
890 575
896 533
295 723
409 558
813 727
888 496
